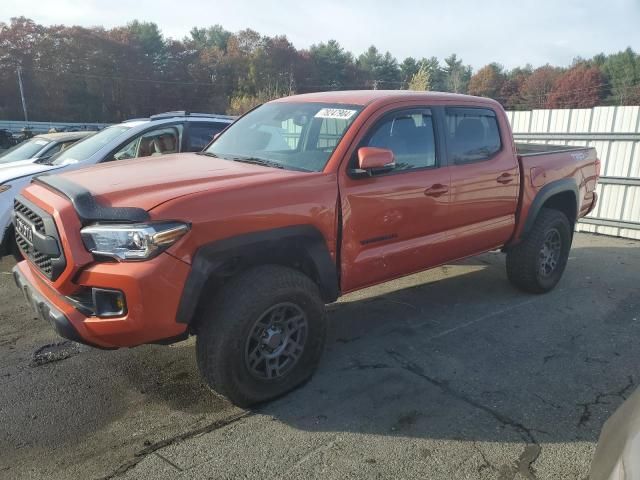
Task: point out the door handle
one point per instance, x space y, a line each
505 178
436 190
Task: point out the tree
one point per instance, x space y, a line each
211 37
488 81
622 69
421 80
509 94
408 68
380 70
538 86
456 75
579 87
333 67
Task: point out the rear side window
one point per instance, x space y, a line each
472 133
200 134
410 136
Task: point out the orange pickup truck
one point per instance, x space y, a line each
299 201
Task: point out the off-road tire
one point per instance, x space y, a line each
524 268
227 321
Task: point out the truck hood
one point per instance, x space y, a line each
148 182
12 172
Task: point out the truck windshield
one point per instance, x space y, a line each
294 136
24 150
84 149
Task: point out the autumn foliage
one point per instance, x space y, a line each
578 87
72 73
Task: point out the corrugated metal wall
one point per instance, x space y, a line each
615 133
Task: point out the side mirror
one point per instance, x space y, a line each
373 159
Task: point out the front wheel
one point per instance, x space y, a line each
262 335
537 263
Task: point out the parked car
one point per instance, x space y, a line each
6 139
298 202
162 134
40 147
617 455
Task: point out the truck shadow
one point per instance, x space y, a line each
468 357
454 353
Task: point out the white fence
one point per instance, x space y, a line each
615 133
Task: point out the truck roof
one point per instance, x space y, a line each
365 97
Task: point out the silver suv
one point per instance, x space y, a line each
171 132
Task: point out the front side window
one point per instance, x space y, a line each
24 150
161 141
84 149
290 135
409 135
473 134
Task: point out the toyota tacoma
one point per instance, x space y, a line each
301 200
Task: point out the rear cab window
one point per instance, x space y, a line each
472 134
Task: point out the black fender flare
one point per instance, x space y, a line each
553 188
219 260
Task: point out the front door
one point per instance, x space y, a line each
394 222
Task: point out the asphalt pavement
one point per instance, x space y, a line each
449 374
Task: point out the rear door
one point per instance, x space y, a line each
394 222
484 180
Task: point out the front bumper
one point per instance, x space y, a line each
152 290
44 309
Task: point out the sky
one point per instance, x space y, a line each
510 32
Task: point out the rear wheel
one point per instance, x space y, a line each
537 263
262 335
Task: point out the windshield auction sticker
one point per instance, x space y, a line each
341 113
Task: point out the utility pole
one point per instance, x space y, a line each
24 103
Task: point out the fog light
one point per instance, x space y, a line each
108 303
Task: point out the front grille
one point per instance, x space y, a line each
50 266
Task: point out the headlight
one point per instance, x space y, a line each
132 242
4 188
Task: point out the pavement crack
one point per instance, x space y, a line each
532 449
358 365
154 447
486 463
599 399
165 459
547 402
319 449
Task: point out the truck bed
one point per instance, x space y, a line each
529 149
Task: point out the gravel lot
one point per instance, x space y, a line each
446 374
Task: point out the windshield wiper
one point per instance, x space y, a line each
208 154
258 161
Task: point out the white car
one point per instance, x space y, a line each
40 147
171 132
